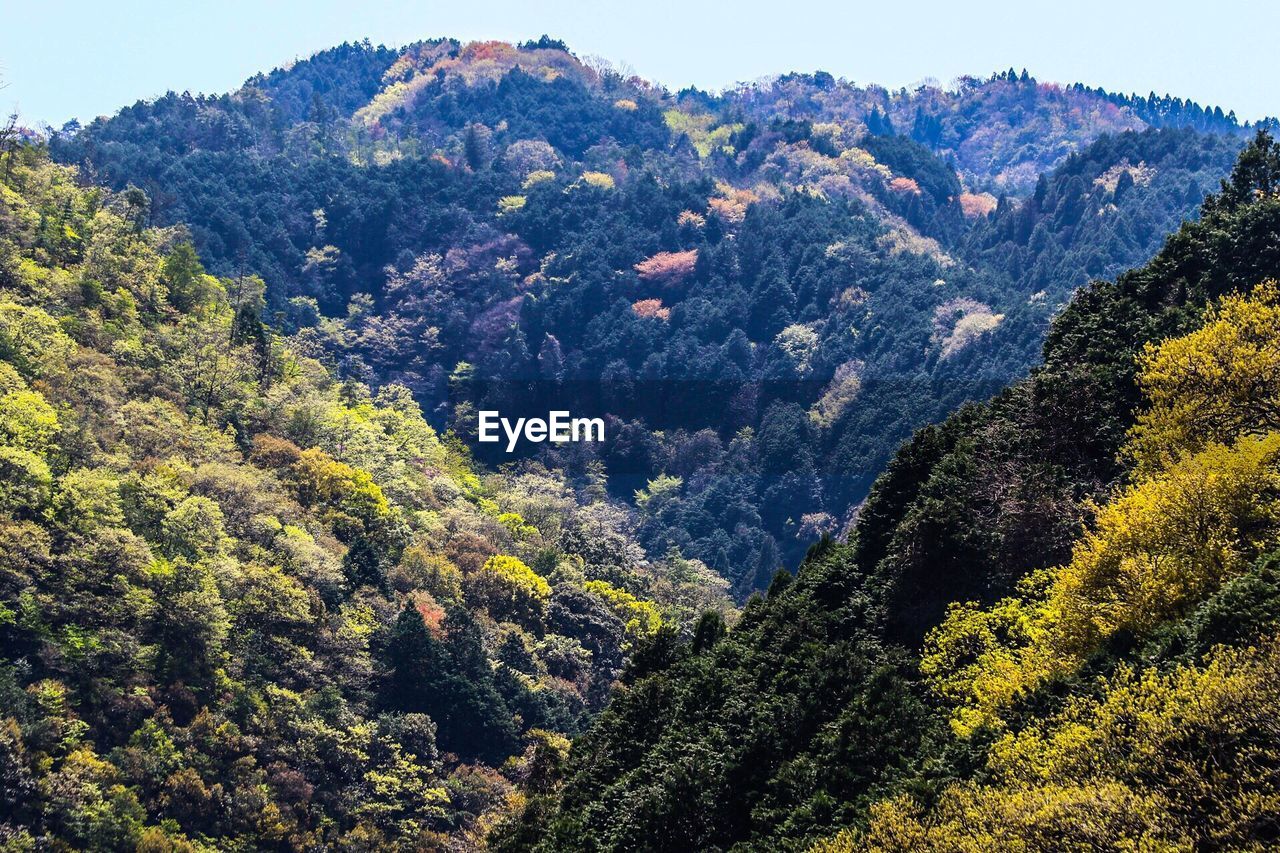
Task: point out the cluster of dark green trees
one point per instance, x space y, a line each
812 708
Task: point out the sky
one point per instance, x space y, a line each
63 59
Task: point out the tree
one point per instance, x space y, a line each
25 482
509 590
475 145
668 268
452 684
1256 173
362 565
211 371
185 278
27 421
709 631
415 657
772 304
1177 759
1214 384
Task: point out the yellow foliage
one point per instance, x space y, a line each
699 128
509 590
599 180
398 95
321 479
514 572
536 177
1169 761
515 523
862 159
1158 547
1204 507
10 380
1215 384
642 618
509 204
976 819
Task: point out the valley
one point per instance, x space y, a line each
469 445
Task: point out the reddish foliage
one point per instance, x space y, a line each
904 185
651 308
430 610
478 51
668 267
977 204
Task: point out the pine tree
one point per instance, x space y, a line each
772 304
362 566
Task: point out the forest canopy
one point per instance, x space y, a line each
768 289
938 508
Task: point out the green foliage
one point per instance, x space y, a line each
86 499
787 725
233 608
27 421
25 482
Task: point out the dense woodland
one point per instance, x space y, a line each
1054 626
245 603
824 266
261 589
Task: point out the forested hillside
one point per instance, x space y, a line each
765 291
1053 627
993 364
245 604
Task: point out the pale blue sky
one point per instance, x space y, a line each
81 58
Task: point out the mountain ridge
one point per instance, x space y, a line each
992 368
455 217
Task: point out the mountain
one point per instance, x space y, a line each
826 267
1054 624
262 587
999 134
